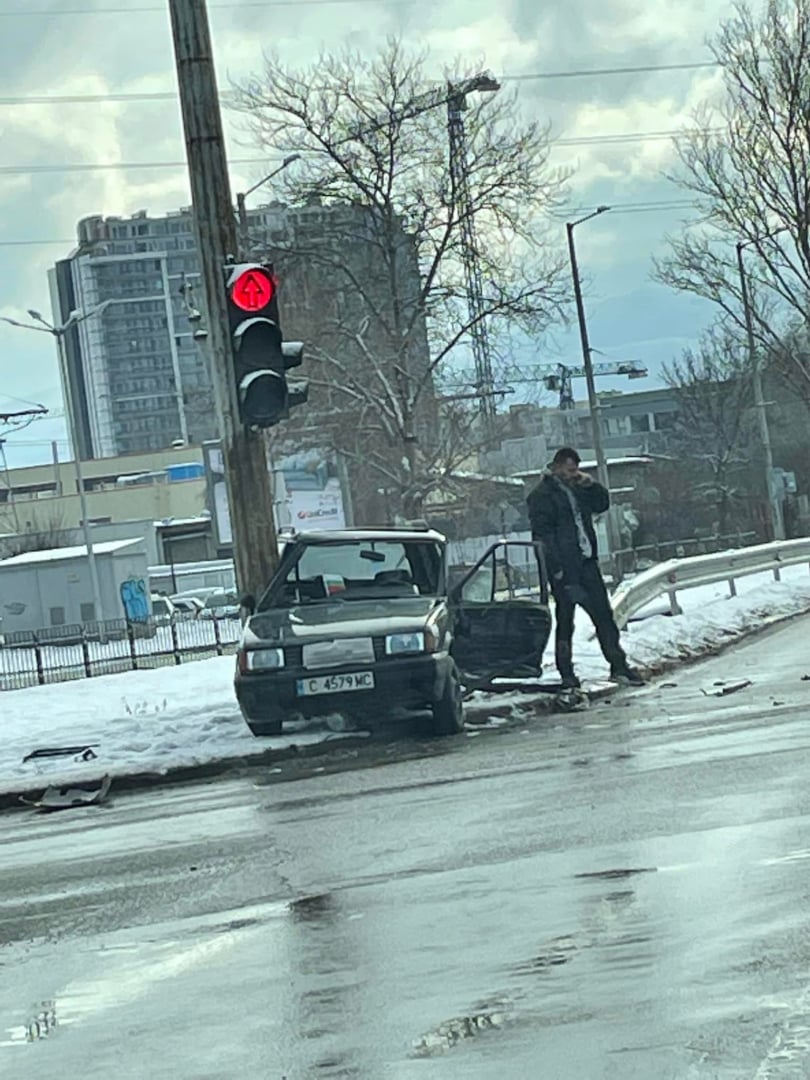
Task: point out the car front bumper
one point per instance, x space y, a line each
406 683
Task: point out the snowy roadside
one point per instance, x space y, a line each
183 717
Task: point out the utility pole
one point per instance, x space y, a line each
593 399
250 499
774 503
59 333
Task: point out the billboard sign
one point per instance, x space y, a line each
308 492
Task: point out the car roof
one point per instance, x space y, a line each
332 536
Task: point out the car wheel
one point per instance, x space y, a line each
265 727
448 711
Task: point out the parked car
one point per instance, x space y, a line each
164 610
188 606
361 621
221 605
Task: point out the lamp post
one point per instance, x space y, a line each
59 333
774 503
593 400
241 208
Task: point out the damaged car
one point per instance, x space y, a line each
362 623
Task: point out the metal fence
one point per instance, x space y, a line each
59 654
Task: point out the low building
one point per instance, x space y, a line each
53 588
154 487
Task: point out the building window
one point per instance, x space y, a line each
665 421
88 613
639 424
57 616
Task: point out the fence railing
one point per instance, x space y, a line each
668 578
63 653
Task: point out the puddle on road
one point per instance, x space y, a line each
313 908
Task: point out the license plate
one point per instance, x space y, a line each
335 684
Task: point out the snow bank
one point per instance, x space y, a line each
184 716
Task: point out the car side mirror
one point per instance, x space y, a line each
248 602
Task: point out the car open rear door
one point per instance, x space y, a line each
501 614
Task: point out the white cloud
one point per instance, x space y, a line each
133 54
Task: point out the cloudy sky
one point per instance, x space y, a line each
100 48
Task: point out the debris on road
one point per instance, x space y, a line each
85 752
724 689
66 798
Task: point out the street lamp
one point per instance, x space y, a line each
59 333
774 502
244 237
587 363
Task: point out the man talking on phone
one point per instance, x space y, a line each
561 510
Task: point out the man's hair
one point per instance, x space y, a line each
565 453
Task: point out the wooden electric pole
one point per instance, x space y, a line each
248 479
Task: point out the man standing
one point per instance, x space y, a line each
561 510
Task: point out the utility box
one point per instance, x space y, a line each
41 590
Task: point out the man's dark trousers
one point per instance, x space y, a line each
592 596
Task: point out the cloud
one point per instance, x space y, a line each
107 52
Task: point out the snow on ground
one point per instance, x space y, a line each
184 716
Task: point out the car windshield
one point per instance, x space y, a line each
359 570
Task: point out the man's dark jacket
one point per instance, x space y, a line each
552 522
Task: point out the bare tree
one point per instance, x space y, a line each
746 162
714 392
391 320
42 535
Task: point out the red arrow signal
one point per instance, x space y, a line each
253 290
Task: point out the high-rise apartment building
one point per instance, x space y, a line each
133 377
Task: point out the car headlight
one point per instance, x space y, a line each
262 659
399 644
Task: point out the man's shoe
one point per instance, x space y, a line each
626 676
570 682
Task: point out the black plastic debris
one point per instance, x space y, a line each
618 874
727 688
86 752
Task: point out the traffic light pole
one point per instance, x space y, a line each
247 475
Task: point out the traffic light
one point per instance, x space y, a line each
261 357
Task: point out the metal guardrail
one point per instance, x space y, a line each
634 560
668 578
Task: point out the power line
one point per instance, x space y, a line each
652 206
170 95
114 166
35 243
583 73
616 139
144 8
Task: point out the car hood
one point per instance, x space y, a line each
341 618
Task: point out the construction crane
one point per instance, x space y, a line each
454 96
560 377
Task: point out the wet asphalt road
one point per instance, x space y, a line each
622 893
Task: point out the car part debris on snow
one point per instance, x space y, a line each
85 752
723 689
66 798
